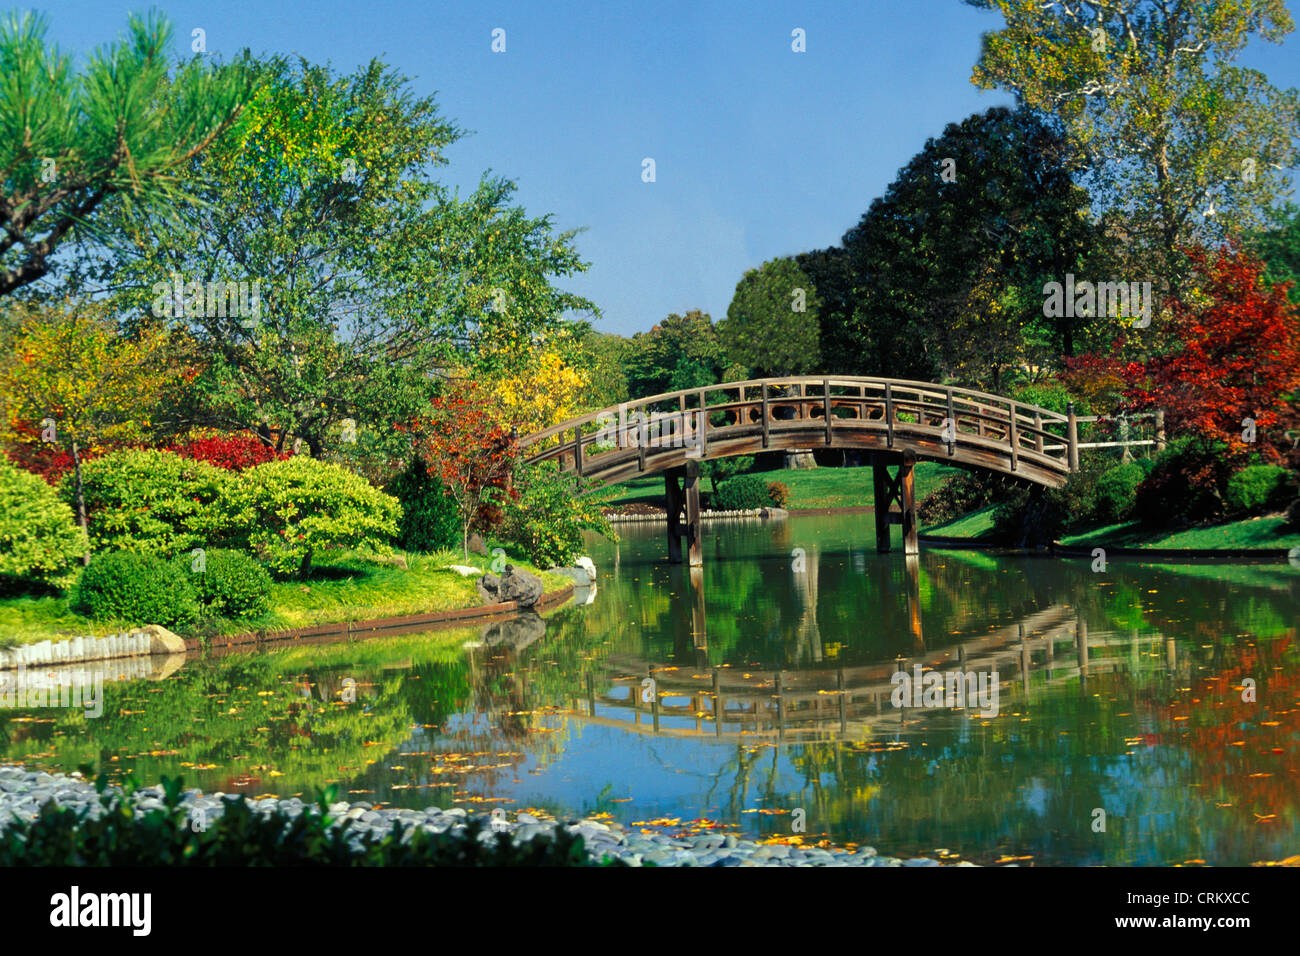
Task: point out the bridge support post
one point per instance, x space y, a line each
682 490
889 490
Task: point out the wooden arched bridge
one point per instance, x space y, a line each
896 421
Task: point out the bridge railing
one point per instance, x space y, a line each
814 410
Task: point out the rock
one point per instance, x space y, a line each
517 632
515 584
464 570
477 545
162 641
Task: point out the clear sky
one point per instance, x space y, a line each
759 151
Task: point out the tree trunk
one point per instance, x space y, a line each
81 498
305 567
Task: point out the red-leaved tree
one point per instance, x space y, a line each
471 451
234 452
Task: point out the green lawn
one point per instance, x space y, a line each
824 487
345 588
1262 533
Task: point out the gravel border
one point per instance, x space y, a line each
24 792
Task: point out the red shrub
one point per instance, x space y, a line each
232 452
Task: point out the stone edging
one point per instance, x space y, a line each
141 642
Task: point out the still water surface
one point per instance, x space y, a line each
1119 692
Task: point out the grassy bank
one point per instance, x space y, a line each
1265 533
346 587
825 487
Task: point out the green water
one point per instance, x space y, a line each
1152 731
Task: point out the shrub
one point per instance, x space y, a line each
1117 491
961 494
741 493
718 470
1032 516
40 540
230 583
430 521
1256 489
779 493
153 502
136 589
241 836
1187 483
1293 514
231 452
547 515
289 510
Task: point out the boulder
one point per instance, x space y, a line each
518 632
163 641
477 545
514 584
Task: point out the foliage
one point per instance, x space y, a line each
1279 248
1239 357
136 589
371 278
1293 514
172 836
286 511
228 583
152 502
1187 483
231 452
948 266
741 493
39 537
718 470
960 494
602 360
429 518
1033 516
772 325
535 384
1257 489
1117 491
1152 99
779 493
471 452
73 382
682 351
548 514
123 128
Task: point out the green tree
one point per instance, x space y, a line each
125 127
365 279
771 326
949 264
1180 141
1279 247
682 351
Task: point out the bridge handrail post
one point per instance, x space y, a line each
1160 429
952 417
1038 432
1072 437
1013 434
764 406
889 414
826 408
703 424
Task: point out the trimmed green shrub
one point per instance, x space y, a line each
430 521
289 510
40 540
741 493
1256 490
718 470
1186 485
1117 491
548 514
151 502
169 836
228 583
136 589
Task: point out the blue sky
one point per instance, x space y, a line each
759 151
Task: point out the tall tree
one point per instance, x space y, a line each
682 351
124 127
1183 143
1279 247
364 278
772 326
948 266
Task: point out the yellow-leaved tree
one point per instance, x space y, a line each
537 385
72 380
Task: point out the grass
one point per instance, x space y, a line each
349 587
823 487
975 526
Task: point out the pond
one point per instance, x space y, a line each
1147 714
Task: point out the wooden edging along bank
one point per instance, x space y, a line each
360 630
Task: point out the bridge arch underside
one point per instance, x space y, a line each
617 465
